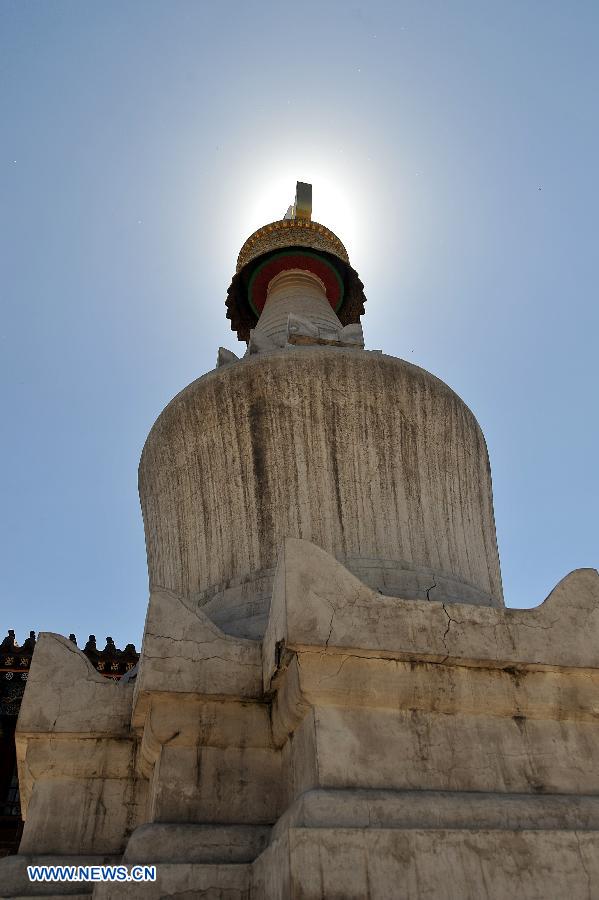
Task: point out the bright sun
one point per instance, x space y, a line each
345 191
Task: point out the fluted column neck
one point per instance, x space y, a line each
302 293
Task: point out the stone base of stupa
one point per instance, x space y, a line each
369 746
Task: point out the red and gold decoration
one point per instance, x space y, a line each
294 259
295 236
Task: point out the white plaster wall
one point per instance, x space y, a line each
372 459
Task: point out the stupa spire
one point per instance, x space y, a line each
294 243
302 207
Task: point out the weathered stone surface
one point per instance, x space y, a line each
63 687
393 741
217 785
210 759
318 603
359 808
224 357
83 815
14 881
434 864
185 882
331 701
178 843
76 756
367 456
361 748
185 653
241 609
382 693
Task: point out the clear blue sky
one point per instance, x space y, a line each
454 147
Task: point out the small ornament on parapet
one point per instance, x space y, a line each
29 643
301 331
9 643
111 662
15 659
90 648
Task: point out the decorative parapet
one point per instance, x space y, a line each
15 661
110 662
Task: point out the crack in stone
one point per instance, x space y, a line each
446 632
169 637
326 645
538 625
201 659
343 661
434 585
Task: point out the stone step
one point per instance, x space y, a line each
185 882
159 842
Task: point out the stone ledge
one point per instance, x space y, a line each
185 882
318 603
426 810
192 843
436 864
14 881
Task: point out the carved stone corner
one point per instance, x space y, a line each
225 357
